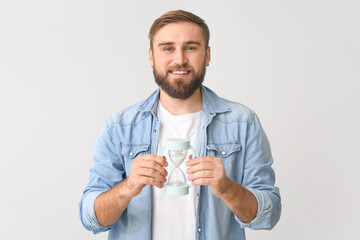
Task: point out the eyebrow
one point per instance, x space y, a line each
193 42
165 44
170 43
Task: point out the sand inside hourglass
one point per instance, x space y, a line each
177 178
177 157
177 152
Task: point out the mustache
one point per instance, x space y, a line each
183 67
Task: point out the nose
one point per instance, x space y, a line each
180 57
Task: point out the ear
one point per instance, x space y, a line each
208 56
151 58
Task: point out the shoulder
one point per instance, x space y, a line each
227 111
133 115
128 116
238 113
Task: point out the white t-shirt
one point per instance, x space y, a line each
174 217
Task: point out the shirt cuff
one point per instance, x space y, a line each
88 218
263 215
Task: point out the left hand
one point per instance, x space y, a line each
208 171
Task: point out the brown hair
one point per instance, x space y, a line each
179 16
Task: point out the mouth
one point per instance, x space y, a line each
179 72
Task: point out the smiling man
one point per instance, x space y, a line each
231 175
181 55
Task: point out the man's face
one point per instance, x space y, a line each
179 58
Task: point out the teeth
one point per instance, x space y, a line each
179 72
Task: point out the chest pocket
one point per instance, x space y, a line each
131 151
223 150
228 152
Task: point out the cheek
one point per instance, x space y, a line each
198 64
162 62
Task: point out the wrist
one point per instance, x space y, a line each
228 189
124 190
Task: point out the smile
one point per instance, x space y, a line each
181 72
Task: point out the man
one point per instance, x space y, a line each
230 172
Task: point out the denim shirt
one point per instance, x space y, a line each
227 130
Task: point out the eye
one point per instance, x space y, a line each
167 49
191 48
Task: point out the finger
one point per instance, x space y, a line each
190 156
154 166
152 157
201 181
202 174
151 181
201 167
197 160
148 172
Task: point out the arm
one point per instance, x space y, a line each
210 171
109 190
259 177
240 201
257 199
145 170
110 205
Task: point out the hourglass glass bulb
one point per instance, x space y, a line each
177 178
177 156
177 147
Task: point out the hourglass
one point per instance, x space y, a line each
177 148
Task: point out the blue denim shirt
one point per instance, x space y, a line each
227 130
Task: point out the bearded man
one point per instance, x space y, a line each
230 172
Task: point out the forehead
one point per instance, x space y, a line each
179 33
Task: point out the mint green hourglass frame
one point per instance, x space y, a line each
177 144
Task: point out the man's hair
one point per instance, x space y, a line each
176 16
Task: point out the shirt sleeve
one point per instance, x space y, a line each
108 170
259 178
87 213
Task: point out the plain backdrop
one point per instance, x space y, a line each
65 66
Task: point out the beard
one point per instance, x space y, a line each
179 88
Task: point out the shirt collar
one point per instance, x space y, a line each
150 104
212 103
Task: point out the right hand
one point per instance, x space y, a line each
146 169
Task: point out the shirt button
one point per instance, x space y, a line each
223 152
199 229
131 154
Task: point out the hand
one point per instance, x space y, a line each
146 169
208 171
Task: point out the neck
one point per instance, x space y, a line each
180 106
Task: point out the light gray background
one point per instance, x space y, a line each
65 66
